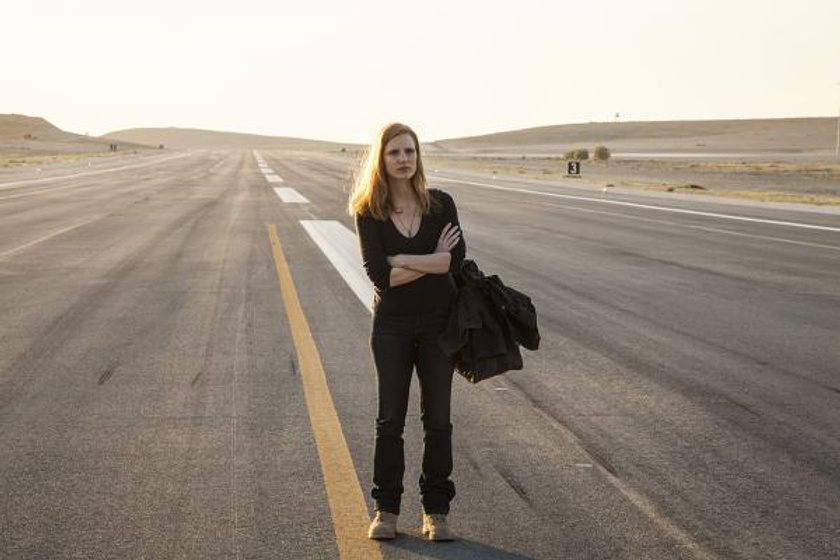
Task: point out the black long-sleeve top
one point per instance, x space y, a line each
380 239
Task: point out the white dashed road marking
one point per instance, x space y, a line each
270 175
287 194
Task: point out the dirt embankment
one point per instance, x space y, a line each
34 141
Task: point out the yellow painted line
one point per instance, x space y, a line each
347 504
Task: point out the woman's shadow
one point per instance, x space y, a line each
460 549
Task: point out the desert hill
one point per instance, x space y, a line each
20 126
810 137
24 136
796 135
190 138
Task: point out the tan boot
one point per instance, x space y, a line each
383 527
436 528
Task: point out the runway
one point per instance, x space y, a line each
685 401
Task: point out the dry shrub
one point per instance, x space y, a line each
601 153
579 153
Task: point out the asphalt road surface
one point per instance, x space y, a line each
685 401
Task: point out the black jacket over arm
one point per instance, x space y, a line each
487 324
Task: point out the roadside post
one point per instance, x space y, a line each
573 169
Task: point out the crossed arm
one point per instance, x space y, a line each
408 268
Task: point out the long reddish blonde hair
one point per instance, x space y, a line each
371 193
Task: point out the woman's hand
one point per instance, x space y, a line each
396 261
449 237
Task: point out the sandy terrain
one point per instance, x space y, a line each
814 182
790 160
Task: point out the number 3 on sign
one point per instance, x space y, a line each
574 168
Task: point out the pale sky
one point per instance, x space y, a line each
338 70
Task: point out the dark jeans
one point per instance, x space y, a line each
400 344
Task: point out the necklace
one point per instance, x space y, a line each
410 227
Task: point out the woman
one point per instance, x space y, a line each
411 242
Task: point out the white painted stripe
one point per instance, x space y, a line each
86 173
341 247
47 190
259 158
646 206
271 176
48 236
636 218
287 194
